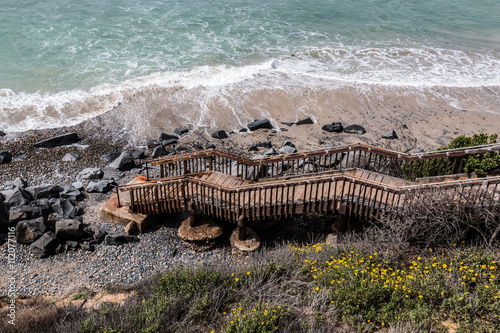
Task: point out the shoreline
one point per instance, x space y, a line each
161 249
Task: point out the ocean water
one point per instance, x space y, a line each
213 62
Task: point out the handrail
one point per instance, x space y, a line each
341 149
302 180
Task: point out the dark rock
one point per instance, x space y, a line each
87 247
288 143
197 146
333 127
284 129
307 121
181 148
159 151
120 239
270 152
64 208
20 213
44 204
71 245
103 186
4 219
210 146
78 185
288 124
253 148
111 156
17 197
151 145
2 133
181 131
90 174
20 183
112 174
288 150
256 157
219 135
29 231
78 218
99 236
355 129
390 135
124 162
5 157
264 144
164 137
69 230
258 124
61 140
70 192
70 157
43 191
168 142
243 130
45 245
138 154
404 126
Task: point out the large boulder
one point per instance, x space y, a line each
90 174
355 129
70 192
20 183
258 124
99 236
138 154
19 213
44 204
110 157
181 131
5 157
112 174
45 245
124 162
69 229
61 140
307 121
4 218
264 144
17 197
219 135
29 231
333 127
43 191
288 150
159 151
164 136
390 135
64 208
168 142
103 186
2 133
270 152
120 239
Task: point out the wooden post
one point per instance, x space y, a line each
242 228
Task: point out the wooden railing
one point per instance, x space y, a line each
275 199
384 161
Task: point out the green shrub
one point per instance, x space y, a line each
480 164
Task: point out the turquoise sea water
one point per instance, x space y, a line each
92 53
